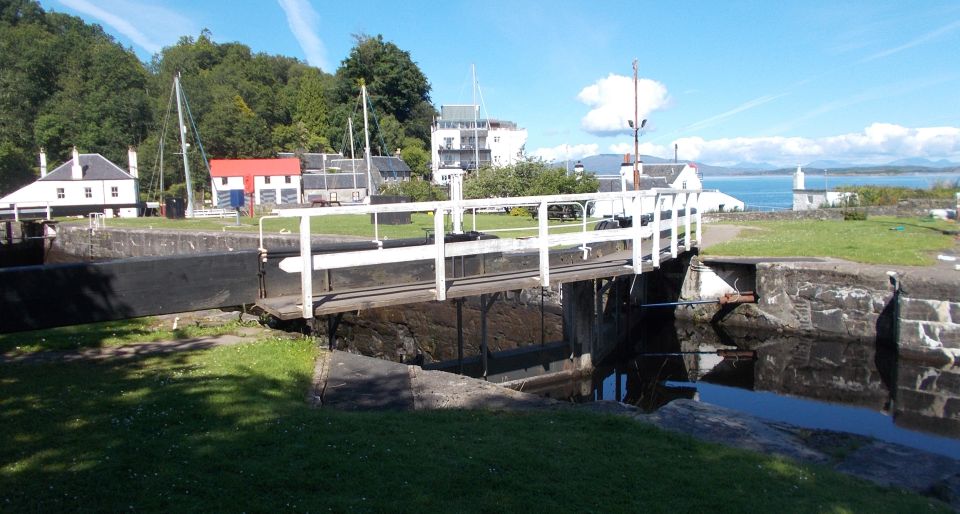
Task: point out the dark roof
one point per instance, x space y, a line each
386 165
95 167
333 180
311 160
612 184
667 171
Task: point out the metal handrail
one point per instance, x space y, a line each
440 250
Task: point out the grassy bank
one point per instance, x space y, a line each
110 333
877 240
228 429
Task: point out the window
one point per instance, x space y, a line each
356 196
496 139
88 192
333 196
223 181
114 191
60 193
287 179
683 185
448 142
266 180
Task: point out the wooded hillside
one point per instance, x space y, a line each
64 82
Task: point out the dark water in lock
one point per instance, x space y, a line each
844 386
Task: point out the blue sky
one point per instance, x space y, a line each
779 82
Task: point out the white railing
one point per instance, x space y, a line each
21 208
96 221
660 199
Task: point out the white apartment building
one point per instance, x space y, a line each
460 139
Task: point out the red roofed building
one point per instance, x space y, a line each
271 181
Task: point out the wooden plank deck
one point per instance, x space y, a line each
288 307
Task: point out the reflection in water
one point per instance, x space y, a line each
838 385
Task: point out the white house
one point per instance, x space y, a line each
460 139
85 184
662 175
807 199
270 181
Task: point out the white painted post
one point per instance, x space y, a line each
687 236
306 270
440 282
636 212
674 232
699 221
655 252
544 244
456 195
16 213
48 211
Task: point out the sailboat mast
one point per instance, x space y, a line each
366 137
183 145
353 161
636 132
476 108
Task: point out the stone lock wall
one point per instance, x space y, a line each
121 243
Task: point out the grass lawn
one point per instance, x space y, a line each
228 429
352 225
877 240
108 333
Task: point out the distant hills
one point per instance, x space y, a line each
608 164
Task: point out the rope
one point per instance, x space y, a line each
383 144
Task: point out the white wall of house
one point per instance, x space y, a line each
77 193
273 185
506 146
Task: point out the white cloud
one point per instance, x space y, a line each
645 149
878 143
148 26
611 103
566 152
304 23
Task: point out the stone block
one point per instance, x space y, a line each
951 408
918 402
913 334
949 381
919 309
954 312
830 321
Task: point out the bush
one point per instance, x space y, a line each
854 214
519 211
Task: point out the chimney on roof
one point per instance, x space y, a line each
626 167
76 171
397 154
132 159
675 153
43 163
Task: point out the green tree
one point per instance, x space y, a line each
16 167
530 177
394 82
417 157
417 190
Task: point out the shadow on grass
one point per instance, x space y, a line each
228 430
